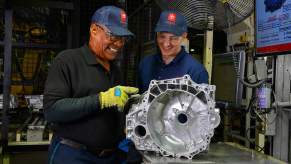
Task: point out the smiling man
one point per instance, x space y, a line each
172 60
82 99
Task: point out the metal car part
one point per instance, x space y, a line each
175 117
35 130
35 102
13 101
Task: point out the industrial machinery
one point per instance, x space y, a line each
253 121
198 12
175 117
30 36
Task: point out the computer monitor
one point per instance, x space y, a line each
273 27
224 76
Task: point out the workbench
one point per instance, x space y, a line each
223 152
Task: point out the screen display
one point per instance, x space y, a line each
273 26
228 88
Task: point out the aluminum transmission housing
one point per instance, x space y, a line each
175 117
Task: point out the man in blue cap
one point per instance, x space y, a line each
172 60
82 97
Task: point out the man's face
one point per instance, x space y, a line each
104 44
169 44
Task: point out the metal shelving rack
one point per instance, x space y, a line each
8 45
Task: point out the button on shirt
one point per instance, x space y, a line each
153 68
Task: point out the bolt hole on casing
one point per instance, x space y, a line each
174 117
182 118
140 131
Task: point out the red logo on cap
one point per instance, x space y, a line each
172 18
123 17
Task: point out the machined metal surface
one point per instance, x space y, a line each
219 153
175 117
35 129
34 102
12 104
283 94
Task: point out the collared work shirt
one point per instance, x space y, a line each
71 101
153 68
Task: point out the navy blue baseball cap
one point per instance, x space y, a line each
114 18
173 22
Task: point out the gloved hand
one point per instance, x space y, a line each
116 96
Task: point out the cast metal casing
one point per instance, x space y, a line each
175 117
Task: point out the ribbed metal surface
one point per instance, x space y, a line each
197 12
174 117
233 12
226 153
241 8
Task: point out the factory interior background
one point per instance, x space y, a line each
33 32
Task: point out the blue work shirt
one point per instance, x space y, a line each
152 67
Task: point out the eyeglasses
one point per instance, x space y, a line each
112 37
172 39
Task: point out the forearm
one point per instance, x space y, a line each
71 109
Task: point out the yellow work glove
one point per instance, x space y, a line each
116 96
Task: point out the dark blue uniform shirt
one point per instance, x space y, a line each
153 67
